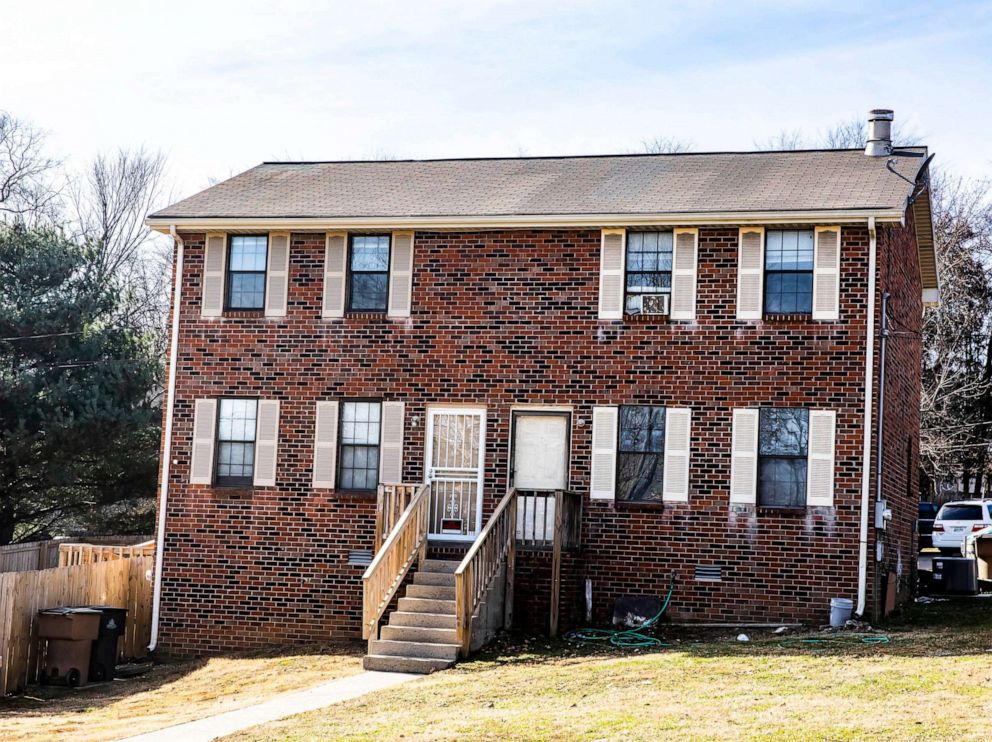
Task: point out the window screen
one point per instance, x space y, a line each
783 441
236 441
368 273
246 271
360 423
640 453
789 272
649 265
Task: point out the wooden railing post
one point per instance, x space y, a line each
511 560
556 563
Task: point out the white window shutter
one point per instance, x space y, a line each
750 272
401 275
820 484
335 269
266 442
214 259
391 444
826 273
612 254
678 423
277 275
744 457
201 465
325 445
604 453
684 260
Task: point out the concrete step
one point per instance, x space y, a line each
422 620
414 649
425 605
392 663
441 579
418 634
431 592
440 565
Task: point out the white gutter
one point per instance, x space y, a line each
167 447
866 447
823 216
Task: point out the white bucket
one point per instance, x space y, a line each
840 611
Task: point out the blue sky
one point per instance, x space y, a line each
220 86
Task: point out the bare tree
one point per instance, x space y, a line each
665 146
110 203
957 361
28 186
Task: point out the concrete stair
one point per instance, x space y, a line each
420 636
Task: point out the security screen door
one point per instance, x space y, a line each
455 469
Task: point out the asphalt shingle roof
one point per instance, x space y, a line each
614 184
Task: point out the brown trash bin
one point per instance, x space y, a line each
70 633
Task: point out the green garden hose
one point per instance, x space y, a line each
626 638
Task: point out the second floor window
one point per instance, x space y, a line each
783 443
359 456
368 273
649 266
640 453
236 441
789 271
246 262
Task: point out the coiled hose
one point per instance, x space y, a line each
626 638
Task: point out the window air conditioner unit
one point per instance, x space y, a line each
652 304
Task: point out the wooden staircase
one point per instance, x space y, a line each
421 635
453 608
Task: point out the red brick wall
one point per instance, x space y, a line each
503 318
899 275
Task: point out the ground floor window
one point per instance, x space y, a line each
236 441
783 442
359 456
640 453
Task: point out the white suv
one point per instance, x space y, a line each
956 520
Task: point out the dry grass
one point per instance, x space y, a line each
928 683
172 693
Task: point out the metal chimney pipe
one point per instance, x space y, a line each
879 133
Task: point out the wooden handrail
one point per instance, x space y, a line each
406 542
481 564
391 502
545 518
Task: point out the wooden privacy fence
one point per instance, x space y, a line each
45 554
32 555
70 554
123 583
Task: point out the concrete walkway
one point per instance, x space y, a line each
287 704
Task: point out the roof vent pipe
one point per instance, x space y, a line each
879 133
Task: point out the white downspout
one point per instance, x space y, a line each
170 401
866 448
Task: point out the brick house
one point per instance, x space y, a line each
674 362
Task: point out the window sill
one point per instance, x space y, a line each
354 494
795 317
645 319
641 504
782 510
243 314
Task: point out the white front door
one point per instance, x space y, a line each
455 468
540 450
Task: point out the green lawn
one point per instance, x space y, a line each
933 680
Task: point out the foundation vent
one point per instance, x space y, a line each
706 573
360 557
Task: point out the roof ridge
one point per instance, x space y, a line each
578 157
